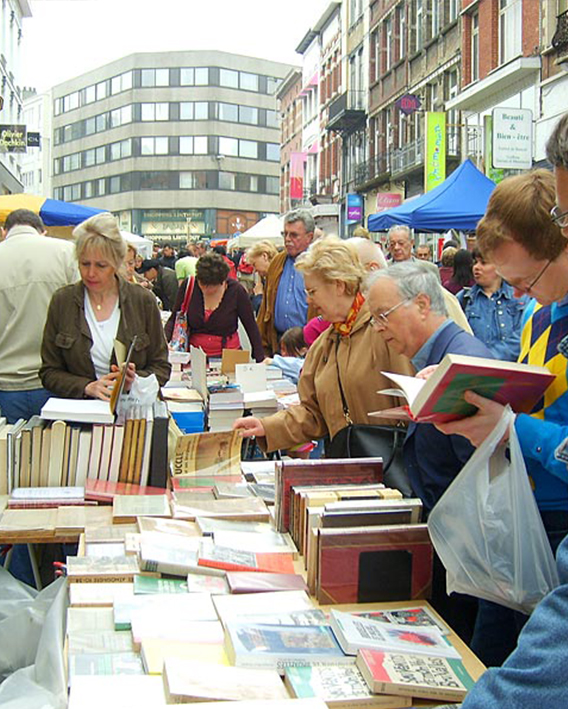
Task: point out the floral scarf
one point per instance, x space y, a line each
344 328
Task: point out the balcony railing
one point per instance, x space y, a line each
347 113
560 39
411 155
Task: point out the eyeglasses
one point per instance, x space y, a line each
558 217
529 288
381 319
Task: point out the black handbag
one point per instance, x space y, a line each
359 440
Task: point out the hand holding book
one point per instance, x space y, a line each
476 428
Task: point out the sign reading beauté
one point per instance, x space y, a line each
512 138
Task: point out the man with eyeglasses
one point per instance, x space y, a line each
408 309
284 303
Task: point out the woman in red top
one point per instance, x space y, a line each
216 305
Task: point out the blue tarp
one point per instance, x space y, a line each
458 203
57 213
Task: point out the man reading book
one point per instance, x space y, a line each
525 233
408 309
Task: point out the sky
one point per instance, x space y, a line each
65 38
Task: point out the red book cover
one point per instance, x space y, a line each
104 490
259 582
364 565
290 473
236 560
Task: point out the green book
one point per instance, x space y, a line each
152 584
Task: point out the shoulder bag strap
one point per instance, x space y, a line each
188 294
343 399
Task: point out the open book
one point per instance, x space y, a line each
440 398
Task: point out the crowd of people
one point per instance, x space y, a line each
333 314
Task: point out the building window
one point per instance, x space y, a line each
72 193
388 42
228 112
155 111
453 10
399 32
436 18
154 77
187 76
101 90
229 78
193 180
120 116
248 82
193 145
226 181
248 149
273 152
272 185
475 46
272 118
154 181
228 146
154 146
121 149
90 94
202 76
248 114
510 29
123 82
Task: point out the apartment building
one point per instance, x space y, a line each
292 159
177 144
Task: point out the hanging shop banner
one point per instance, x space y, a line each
512 138
354 208
388 200
13 138
297 162
435 158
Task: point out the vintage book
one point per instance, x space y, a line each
262 582
98 641
273 542
23 474
74 434
367 564
57 444
65 460
229 358
46 497
155 650
186 606
80 619
223 490
44 461
208 454
206 632
152 584
144 471
126 508
115 453
77 410
164 525
158 472
106 531
4 486
354 633
106 450
193 681
234 607
338 686
106 549
126 448
120 690
209 525
181 393
205 583
134 446
72 519
109 663
101 570
37 424
440 397
105 491
251 509
83 456
320 472
98 594
96 450
218 557
406 615
266 704
278 646
29 523
168 553
420 676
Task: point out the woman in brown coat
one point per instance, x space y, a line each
349 351
85 319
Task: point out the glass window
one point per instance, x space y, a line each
272 119
248 114
253 185
114 184
272 85
475 46
228 112
201 110
71 192
102 90
162 77
162 111
90 94
147 111
147 77
115 85
226 181
88 189
187 77
200 145
101 186
249 82
127 80
510 29
89 158
186 145
115 151
58 106
56 166
248 148
202 76
187 181
273 152
229 77
90 126
100 155
272 185
101 122
154 181
126 114
186 111
161 146
146 146
228 146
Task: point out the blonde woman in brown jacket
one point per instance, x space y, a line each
349 351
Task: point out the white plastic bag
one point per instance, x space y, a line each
487 530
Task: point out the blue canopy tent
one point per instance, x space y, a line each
458 203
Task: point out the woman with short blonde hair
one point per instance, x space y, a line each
260 255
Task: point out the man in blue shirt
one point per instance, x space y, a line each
284 304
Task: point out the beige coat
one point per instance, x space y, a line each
361 357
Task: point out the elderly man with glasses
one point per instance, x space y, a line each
408 309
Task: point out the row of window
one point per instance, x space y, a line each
167 111
168 145
169 180
152 78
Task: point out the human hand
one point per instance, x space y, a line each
267 360
426 372
249 426
130 374
102 388
475 428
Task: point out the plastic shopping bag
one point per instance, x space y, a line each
487 530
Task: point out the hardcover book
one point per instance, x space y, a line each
338 686
440 397
219 557
234 607
102 569
155 650
418 675
355 633
261 582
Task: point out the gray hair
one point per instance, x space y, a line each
301 215
557 144
400 227
413 278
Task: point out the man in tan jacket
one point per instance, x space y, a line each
284 303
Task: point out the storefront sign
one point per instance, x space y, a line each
171 215
408 104
297 162
354 208
388 200
13 138
34 140
512 138
435 158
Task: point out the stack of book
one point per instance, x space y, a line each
225 406
261 403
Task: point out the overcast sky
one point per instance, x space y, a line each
65 38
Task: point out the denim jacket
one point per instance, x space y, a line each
496 321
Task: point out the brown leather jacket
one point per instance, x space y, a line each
67 367
265 317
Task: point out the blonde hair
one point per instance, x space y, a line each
100 232
448 255
260 248
332 259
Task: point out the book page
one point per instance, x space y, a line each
408 386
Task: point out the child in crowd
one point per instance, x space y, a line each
293 349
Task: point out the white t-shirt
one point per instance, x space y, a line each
104 334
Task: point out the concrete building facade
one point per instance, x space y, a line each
177 144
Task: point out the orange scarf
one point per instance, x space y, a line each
344 328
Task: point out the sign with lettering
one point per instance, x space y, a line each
435 159
34 140
388 200
13 138
408 104
354 207
512 138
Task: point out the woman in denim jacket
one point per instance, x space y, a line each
493 311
